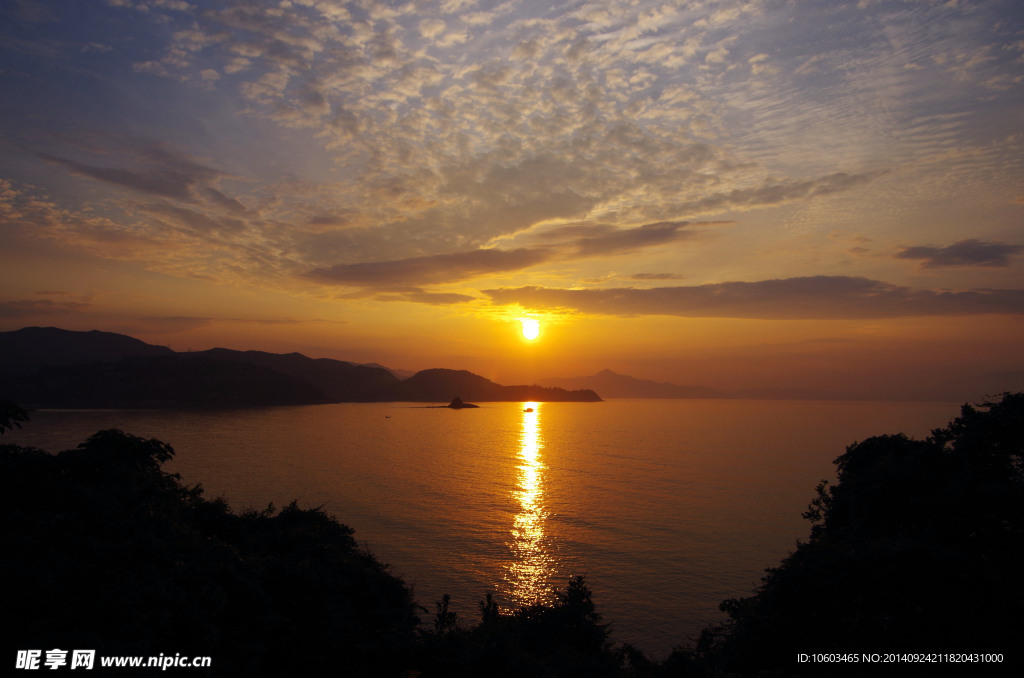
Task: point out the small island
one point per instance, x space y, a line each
457 404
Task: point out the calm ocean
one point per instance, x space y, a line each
666 506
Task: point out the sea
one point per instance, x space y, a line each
666 507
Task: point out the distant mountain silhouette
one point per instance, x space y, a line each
440 385
612 385
401 374
51 367
177 380
337 379
26 350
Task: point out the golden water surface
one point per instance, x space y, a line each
530 568
666 507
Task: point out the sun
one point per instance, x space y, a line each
531 328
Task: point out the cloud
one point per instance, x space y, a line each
585 239
970 252
619 241
433 269
162 235
160 170
168 186
656 276
431 28
195 221
818 297
777 192
563 243
224 201
428 146
432 298
494 143
29 215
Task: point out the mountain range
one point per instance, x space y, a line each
51 367
613 385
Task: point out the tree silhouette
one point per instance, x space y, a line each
445 619
105 550
11 416
917 547
489 610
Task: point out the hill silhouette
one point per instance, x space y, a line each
169 381
52 367
336 379
442 385
26 350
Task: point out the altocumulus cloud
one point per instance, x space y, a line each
970 252
816 297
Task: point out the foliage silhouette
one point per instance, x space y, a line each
445 620
489 610
11 416
111 553
565 638
918 547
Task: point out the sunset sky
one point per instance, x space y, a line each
807 194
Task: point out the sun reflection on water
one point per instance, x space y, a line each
528 572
